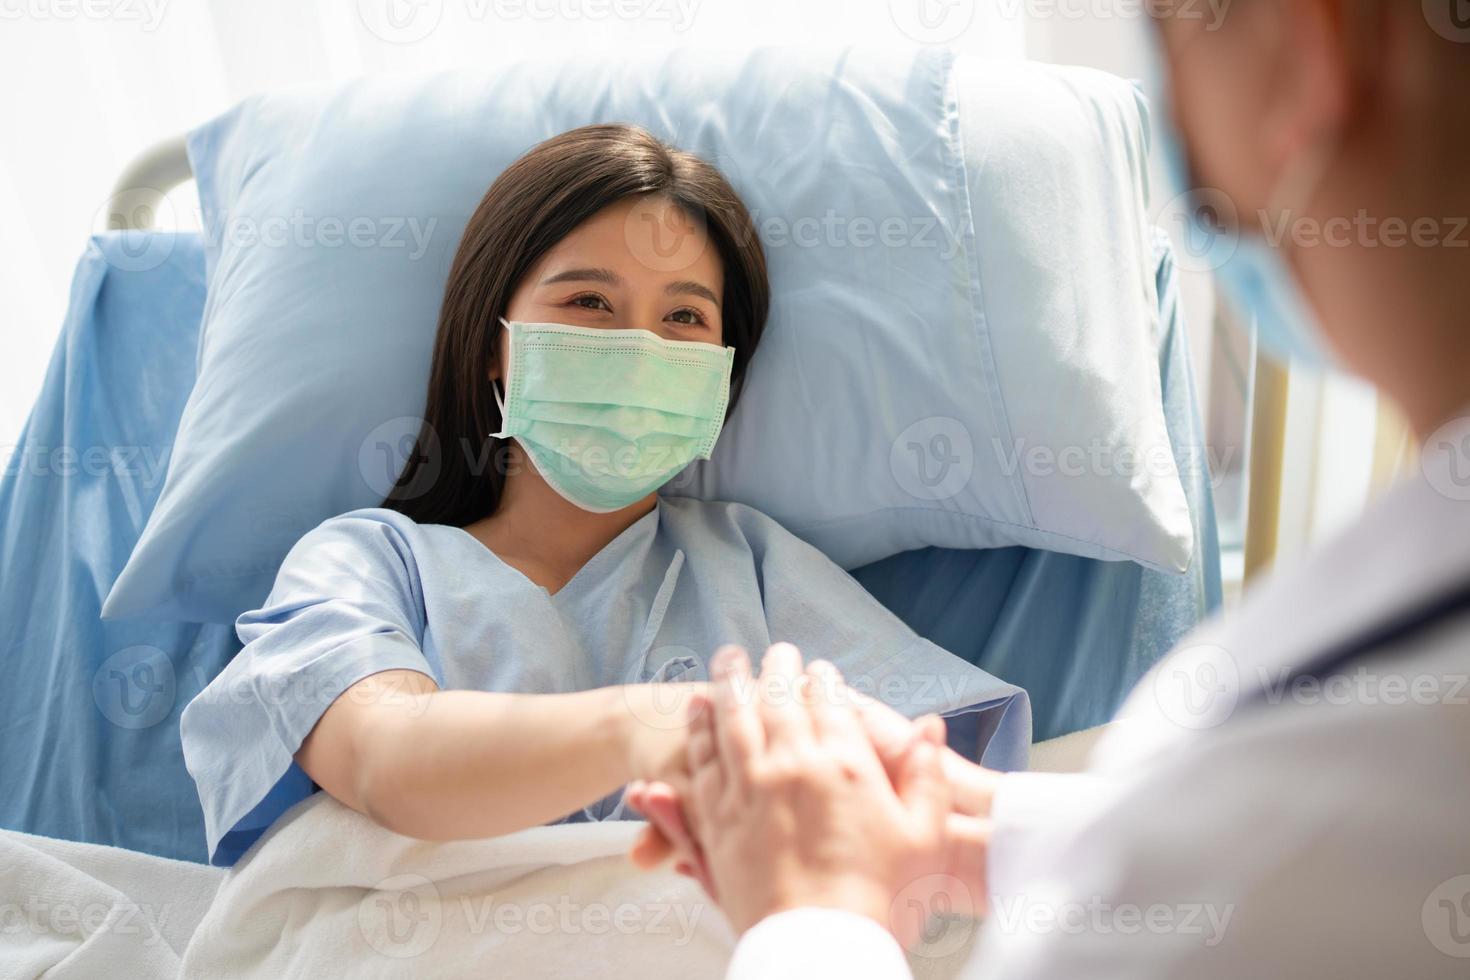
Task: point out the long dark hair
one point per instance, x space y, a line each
456 472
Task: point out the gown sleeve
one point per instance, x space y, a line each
824 611
347 603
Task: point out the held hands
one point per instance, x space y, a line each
657 727
803 792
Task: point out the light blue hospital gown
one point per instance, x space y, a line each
373 590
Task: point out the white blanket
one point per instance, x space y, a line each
70 910
328 893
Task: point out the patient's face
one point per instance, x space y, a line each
639 264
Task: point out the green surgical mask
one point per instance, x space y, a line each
609 416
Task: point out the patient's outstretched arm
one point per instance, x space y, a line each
444 765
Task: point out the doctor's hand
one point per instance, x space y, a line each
668 836
791 805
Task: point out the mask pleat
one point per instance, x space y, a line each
619 376
618 418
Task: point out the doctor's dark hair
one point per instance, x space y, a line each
456 471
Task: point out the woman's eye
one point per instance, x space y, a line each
590 301
687 317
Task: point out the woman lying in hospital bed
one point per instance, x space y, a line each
510 639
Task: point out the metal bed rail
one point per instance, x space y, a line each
138 193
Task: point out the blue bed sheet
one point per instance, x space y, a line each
89 712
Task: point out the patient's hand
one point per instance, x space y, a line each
892 736
658 720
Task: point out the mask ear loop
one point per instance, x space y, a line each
499 403
495 389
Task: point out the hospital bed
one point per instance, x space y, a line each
94 792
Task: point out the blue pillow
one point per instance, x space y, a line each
944 364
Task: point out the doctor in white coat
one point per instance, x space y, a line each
1288 793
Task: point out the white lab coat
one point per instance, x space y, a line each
1321 833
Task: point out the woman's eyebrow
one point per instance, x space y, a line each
690 287
604 276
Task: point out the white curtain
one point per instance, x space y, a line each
89 83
